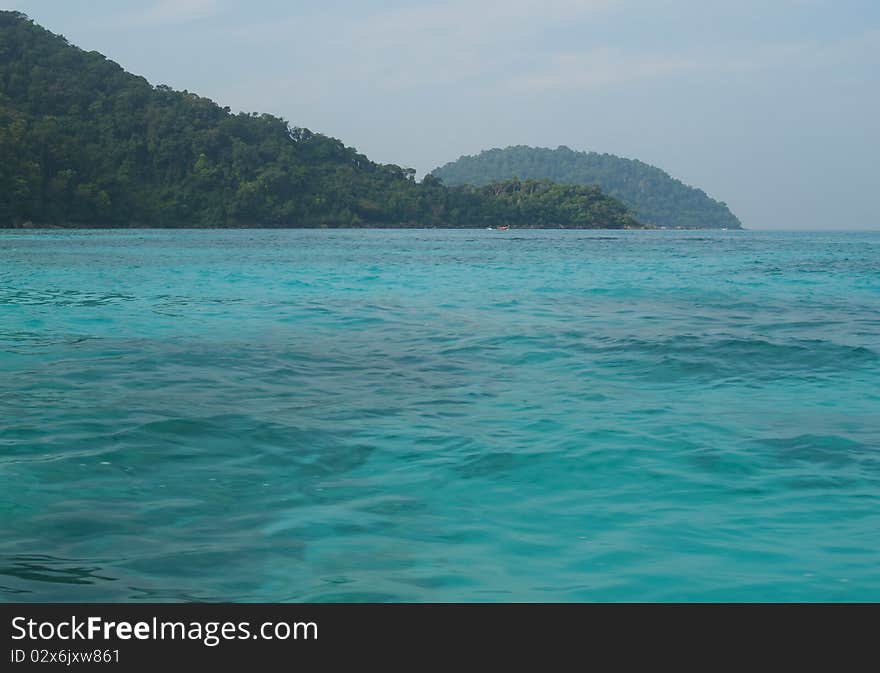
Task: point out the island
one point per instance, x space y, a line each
656 198
87 144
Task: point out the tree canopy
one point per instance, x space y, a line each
84 143
654 196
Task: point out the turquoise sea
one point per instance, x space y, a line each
432 415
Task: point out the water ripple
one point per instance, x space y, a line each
439 415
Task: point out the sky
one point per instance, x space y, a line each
772 106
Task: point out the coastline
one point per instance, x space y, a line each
62 227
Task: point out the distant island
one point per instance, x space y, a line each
86 144
656 198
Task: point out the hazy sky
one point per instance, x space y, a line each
770 105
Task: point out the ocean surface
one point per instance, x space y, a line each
432 415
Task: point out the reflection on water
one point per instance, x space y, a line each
41 568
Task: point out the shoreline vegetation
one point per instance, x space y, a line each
206 227
87 144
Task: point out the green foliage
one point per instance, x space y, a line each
655 197
83 143
536 203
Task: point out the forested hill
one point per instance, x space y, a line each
655 197
84 143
